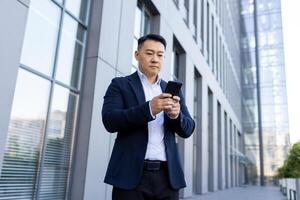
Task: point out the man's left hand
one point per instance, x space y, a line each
175 110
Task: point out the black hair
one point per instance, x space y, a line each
154 37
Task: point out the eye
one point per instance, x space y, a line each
149 53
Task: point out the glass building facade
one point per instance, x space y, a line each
39 144
52 142
265 117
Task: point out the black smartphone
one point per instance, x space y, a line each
173 87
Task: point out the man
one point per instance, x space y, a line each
145 163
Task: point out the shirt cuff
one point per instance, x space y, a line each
153 116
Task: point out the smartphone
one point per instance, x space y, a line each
173 87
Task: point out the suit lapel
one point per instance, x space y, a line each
136 85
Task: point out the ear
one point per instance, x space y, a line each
136 55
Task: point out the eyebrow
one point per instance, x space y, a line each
154 51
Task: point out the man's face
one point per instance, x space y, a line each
150 57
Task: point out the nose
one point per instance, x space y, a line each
155 58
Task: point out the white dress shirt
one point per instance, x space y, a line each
156 146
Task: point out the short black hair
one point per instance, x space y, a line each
154 37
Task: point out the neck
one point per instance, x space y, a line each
151 78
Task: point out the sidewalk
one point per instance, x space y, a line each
243 193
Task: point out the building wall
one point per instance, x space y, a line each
109 54
11 45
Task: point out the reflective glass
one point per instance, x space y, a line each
60 133
276 20
141 27
185 11
26 128
41 36
275 37
78 8
268 5
146 24
247 8
70 52
264 22
249 25
137 22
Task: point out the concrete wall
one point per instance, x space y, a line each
12 33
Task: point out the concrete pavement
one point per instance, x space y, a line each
243 193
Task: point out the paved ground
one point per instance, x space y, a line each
243 193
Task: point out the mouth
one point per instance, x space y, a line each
153 66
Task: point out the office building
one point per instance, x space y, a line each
57 59
265 115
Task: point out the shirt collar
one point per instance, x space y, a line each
143 77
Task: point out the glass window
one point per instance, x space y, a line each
186 11
249 25
78 8
41 36
275 37
264 22
175 65
202 24
60 133
247 7
70 52
207 31
25 132
213 42
141 27
276 21
36 161
137 22
272 5
195 19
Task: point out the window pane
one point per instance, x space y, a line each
137 22
175 65
25 132
146 24
78 8
41 36
70 53
59 139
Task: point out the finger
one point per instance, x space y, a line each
167 108
175 111
167 101
176 98
165 95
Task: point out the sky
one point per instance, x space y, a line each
291 34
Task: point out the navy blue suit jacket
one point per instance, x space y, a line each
125 111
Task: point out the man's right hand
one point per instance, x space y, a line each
161 102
